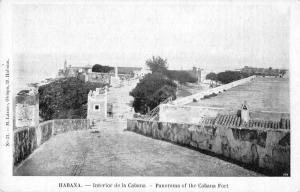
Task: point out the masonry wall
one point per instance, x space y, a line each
101 113
65 125
25 142
125 77
27 111
98 77
44 132
216 90
268 149
27 139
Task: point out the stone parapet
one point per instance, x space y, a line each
267 149
27 139
216 90
25 142
65 125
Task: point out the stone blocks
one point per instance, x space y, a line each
24 143
265 149
27 139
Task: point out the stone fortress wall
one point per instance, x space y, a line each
260 145
85 73
27 139
27 108
29 133
95 77
258 139
97 104
216 90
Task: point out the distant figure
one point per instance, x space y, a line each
245 112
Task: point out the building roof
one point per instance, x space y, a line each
234 121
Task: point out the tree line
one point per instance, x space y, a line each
226 76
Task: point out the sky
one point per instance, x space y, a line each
212 36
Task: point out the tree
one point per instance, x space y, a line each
157 65
101 68
65 98
212 76
151 90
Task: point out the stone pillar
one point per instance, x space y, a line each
116 71
27 108
245 113
65 65
199 75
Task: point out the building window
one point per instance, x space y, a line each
96 107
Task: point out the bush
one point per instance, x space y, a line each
65 98
209 96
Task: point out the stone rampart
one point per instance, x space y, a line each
216 90
25 142
267 148
65 125
27 139
102 77
44 131
27 110
97 77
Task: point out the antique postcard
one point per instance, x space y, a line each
149 95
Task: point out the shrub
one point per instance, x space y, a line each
210 95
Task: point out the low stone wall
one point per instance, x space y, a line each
268 149
44 132
25 142
97 77
65 125
27 139
216 90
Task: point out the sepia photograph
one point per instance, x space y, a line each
172 88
